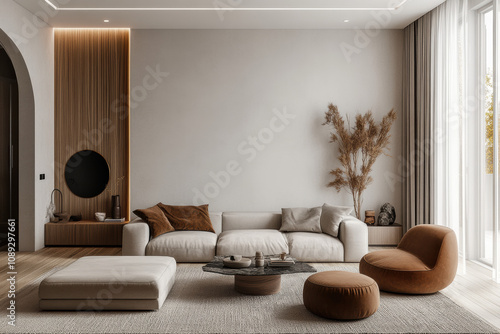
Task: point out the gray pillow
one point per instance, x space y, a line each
301 220
331 217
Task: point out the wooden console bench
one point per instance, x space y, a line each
84 233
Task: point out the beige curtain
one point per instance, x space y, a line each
418 124
433 107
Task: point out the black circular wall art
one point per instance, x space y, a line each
86 174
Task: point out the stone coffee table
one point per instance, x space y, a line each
257 280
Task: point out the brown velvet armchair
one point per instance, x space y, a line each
424 262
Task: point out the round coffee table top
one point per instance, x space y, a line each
217 266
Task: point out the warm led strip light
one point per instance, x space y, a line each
229 8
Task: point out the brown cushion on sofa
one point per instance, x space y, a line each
188 218
155 218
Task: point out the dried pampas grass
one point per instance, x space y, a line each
359 147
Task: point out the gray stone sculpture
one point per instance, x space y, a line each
387 215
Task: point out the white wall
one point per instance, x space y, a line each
34 39
226 85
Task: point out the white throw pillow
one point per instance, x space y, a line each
331 217
300 220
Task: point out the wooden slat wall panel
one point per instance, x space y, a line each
91 110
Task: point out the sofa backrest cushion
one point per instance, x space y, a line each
250 220
331 217
216 219
300 220
155 218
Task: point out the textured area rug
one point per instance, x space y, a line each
207 303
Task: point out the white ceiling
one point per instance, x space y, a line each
231 14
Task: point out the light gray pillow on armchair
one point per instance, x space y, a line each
331 217
301 220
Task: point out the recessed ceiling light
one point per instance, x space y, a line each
346 20
106 21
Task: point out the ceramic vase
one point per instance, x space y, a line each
116 209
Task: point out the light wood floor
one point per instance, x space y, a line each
475 290
31 265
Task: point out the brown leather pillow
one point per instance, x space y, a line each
155 218
188 218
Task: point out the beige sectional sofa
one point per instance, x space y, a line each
244 233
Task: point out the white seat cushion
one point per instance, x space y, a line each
184 246
315 247
247 242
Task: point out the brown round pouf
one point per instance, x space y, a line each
341 295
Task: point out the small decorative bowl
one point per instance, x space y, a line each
243 263
100 216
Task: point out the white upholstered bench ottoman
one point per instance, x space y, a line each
109 283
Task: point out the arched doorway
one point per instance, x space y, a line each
9 150
25 228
